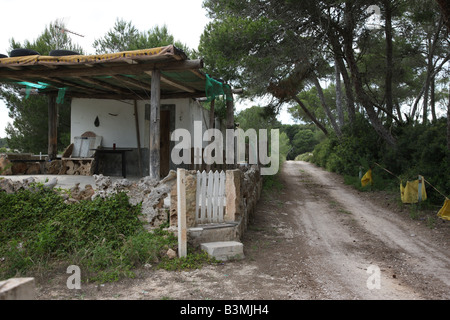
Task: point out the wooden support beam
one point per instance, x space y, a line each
155 130
104 85
133 82
52 128
173 83
109 70
127 96
65 83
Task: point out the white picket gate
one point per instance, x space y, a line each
211 201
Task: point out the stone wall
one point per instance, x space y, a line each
154 195
159 198
250 192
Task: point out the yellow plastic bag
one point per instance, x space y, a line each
444 213
410 193
367 179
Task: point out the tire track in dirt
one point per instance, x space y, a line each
346 235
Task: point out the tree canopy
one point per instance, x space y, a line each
29 129
124 36
392 71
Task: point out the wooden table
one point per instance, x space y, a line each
121 151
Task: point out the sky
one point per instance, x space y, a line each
26 20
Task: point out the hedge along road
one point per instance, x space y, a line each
315 239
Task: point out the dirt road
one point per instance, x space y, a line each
315 239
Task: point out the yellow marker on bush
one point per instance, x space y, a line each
367 178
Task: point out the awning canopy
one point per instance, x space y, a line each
122 75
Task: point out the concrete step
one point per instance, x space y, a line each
212 233
224 250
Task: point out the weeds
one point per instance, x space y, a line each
104 237
272 183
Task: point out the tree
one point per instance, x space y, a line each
256 118
278 47
124 37
29 129
275 46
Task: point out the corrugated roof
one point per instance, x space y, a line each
122 75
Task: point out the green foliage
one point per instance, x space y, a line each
29 129
272 183
50 39
302 137
193 260
3 144
285 147
277 48
421 150
357 147
256 118
304 157
124 37
104 237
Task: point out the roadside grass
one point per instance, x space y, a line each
40 233
272 183
424 211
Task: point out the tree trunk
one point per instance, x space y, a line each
338 88
433 41
339 58
427 85
310 115
445 9
448 122
433 99
326 107
422 90
357 80
389 63
399 112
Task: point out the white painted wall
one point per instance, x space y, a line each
117 122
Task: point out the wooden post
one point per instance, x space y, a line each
181 212
155 130
230 125
211 123
52 128
138 136
233 195
230 113
211 114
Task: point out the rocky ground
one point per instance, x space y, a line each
316 239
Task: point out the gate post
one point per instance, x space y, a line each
233 194
181 203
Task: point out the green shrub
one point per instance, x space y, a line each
104 237
421 150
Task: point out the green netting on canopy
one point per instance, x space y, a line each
42 86
214 88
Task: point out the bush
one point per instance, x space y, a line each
421 150
104 237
